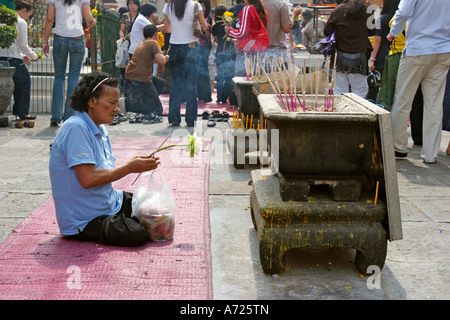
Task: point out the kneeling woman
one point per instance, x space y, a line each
141 88
82 169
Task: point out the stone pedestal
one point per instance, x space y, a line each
6 90
318 222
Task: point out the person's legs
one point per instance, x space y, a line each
416 117
220 84
154 101
341 84
191 84
433 89
60 53
133 96
176 62
76 49
116 230
203 84
150 104
22 88
408 79
159 83
358 84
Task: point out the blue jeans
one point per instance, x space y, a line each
183 62
203 81
64 47
22 87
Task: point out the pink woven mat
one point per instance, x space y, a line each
36 262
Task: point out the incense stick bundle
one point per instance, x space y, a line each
333 81
326 104
273 87
304 85
316 73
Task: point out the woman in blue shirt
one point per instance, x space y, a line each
82 169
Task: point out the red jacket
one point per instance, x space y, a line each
252 35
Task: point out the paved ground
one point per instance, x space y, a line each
417 267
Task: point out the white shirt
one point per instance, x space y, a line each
427 26
182 30
137 32
20 46
68 19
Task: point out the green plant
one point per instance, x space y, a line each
8 32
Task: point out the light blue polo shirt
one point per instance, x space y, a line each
80 141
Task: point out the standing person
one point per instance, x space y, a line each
141 96
142 20
235 10
278 25
126 23
183 58
18 55
446 117
68 42
308 32
203 82
125 28
225 57
387 89
349 22
381 45
425 61
127 19
249 28
82 168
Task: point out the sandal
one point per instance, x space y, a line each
136 119
216 116
205 115
121 117
225 116
152 119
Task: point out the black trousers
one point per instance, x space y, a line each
22 87
416 117
116 230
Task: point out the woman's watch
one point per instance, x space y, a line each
372 59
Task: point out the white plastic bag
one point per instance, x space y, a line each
122 56
153 204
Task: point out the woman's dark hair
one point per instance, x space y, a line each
260 10
85 89
356 9
122 10
147 10
219 11
150 30
20 4
136 2
178 7
390 6
207 7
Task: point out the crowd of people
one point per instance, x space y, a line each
417 29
